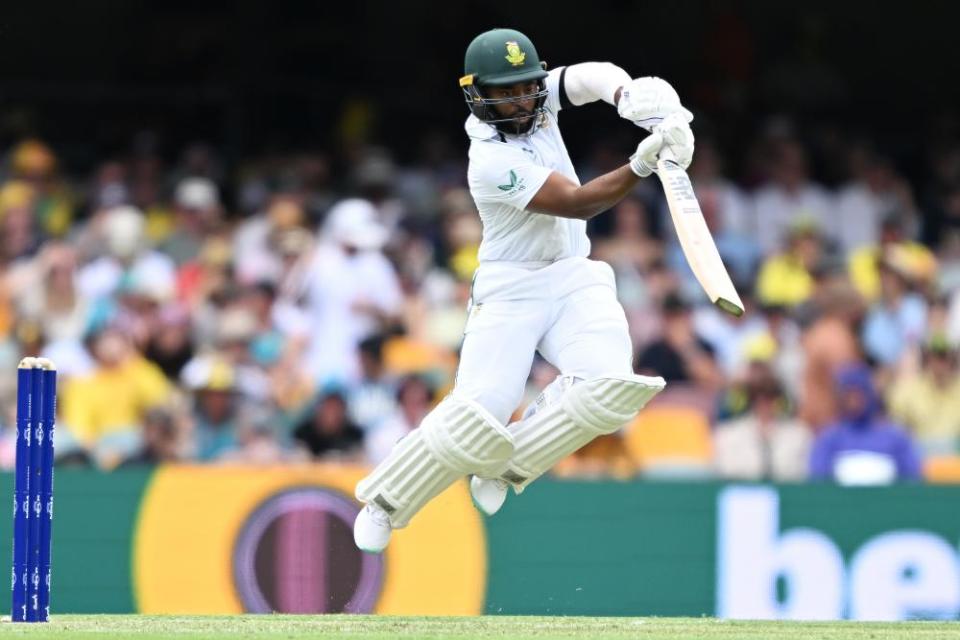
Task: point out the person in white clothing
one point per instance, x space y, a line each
535 289
788 197
351 291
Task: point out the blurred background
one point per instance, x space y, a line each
182 186
242 231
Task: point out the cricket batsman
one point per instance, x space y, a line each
535 289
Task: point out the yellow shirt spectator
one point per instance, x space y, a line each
783 280
929 410
910 257
112 400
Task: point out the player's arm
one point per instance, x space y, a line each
592 81
560 196
644 101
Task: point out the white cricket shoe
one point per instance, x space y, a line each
488 494
371 530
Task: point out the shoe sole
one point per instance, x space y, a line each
476 504
375 552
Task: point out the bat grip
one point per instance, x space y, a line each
666 154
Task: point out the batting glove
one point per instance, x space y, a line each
644 161
647 101
677 138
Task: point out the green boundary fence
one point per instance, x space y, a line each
612 548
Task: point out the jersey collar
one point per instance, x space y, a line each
477 128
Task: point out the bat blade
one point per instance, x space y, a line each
695 239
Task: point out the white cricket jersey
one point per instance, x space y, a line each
506 172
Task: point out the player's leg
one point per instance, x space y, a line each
457 438
596 393
464 434
590 344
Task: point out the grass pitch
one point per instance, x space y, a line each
501 627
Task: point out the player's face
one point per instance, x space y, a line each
519 107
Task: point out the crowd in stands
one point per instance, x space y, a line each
309 306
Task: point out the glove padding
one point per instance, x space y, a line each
647 101
644 160
677 139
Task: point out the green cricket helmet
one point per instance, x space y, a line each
497 58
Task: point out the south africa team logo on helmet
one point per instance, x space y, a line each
515 55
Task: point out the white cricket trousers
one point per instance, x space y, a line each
567 310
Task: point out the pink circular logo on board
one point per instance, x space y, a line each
295 554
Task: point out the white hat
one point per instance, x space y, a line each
124 230
236 325
197 193
211 371
354 222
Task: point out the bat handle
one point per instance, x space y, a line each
666 154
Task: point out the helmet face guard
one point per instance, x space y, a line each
485 108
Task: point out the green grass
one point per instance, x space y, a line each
503 627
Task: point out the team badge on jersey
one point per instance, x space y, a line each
515 184
515 55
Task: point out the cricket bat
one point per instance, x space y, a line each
695 239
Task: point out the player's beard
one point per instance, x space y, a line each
522 122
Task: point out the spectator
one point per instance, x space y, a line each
351 291
374 178
259 237
829 343
462 233
415 398
732 205
170 346
374 398
680 355
35 163
863 446
103 410
215 406
109 186
435 309
257 441
788 357
766 443
865 262
328 431
630 250
897 321
48 294
728 335
646 325
18 226
127 258
197 214
160 440
927 401
789 196
785 279
268 357
875 193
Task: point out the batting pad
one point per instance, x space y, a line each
588 409
457 438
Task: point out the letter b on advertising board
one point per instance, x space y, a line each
800 573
